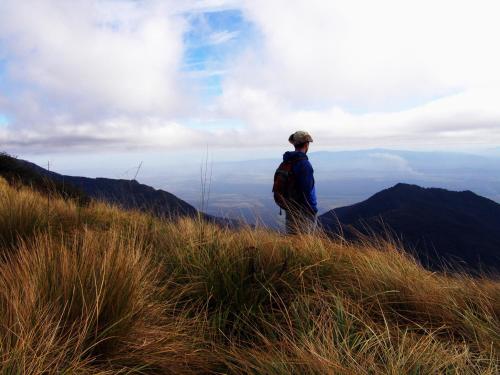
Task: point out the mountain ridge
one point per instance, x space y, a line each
440 225
128 194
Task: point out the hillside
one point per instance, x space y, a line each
128 194
93 289
441 227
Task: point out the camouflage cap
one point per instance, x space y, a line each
300 137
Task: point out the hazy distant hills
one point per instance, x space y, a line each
439 225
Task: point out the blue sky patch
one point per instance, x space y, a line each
213 39
4 120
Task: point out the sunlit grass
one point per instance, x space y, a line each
96 289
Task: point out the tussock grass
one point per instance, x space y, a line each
95 289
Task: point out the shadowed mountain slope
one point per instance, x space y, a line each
437 224
128 194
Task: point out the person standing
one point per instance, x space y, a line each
294 188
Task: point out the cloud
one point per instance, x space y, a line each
108 135
465 119
205 6
81 75
222 37
101 75
369 74
468 119
396 163
371 56
92 75
88 58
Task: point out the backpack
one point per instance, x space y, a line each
284 188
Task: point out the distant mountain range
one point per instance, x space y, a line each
440 226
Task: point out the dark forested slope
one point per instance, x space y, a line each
437 224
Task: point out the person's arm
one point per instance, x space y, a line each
306 184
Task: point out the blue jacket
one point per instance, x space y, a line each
305 178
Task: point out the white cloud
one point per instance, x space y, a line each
107 135
369 73
470 118
88 57
372 55
106 74
222 37
395 163
199 6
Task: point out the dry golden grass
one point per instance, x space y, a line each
99 290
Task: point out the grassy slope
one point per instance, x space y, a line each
98 290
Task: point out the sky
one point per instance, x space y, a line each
100 79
